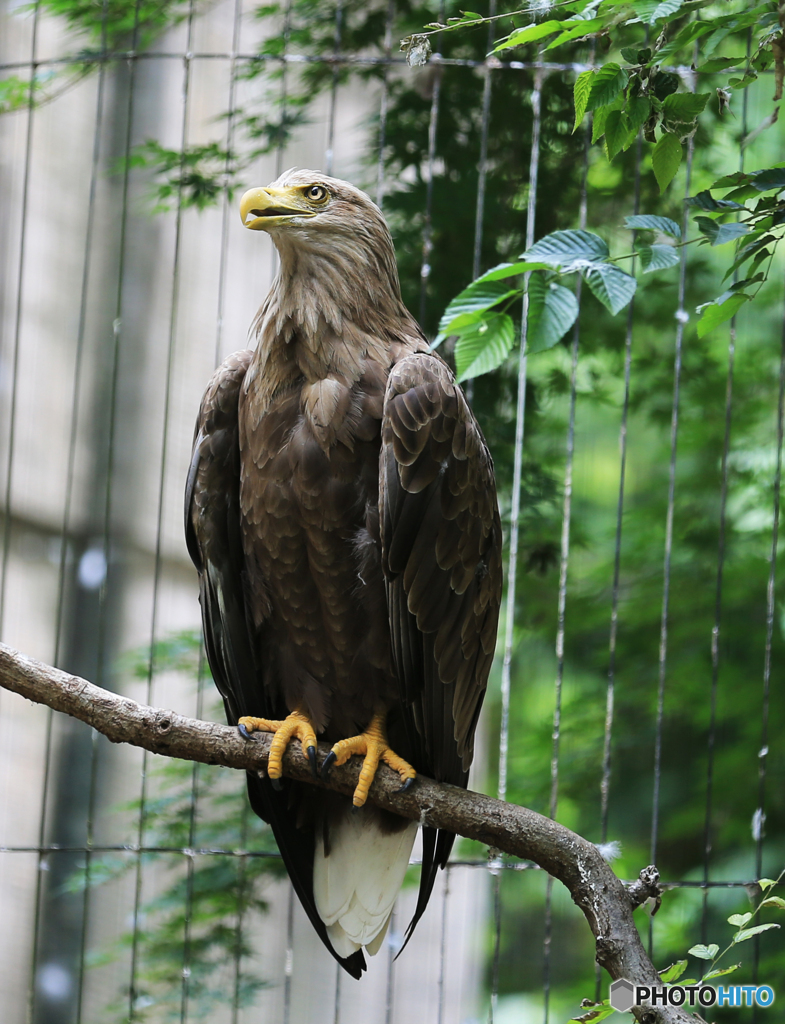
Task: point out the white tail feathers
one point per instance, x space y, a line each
356 885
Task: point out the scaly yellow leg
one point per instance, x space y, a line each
296 724
373 747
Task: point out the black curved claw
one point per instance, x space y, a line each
276 784
312 759
407 785
243 731
329 761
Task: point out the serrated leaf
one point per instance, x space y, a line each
557 313
529 34
684 106
650 11
719 64
468 306
606 85
650 222
563 248
728 180
706 201
610 285
580 92
484 347
773 178
583 28
638 111
714 314
665 160
774 901
617 131
658 257
674 972
721 972
704 952
720 234
748 933
505 270
601 116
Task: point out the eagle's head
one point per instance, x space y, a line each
331 238
310 205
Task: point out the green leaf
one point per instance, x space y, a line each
610 285
558 311
467 307
484 347
529 34
562 248
665 160
674 972
650 11
719 973
719 64
583 28
505 270
720 234
638 111
767 883
684 106
704 952
658 257
728 180
581 91
706 201
774 178
747 933
714 314
617 131
650 222
774 901
601 116
595 1013
608 82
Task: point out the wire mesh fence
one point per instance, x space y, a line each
113 320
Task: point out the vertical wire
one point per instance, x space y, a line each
187 57
384 103
330 154
564 561
92 791
242 870
515 512
18 320
337 1006
289 962
681 319
715 633
482 174
389 1000
763 752
605 783
284 94
443 943
427 231
230 126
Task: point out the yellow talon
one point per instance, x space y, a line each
296 724
373 747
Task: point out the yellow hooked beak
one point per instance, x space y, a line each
265 208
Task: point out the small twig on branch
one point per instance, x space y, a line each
517 831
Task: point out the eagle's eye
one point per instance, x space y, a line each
316 193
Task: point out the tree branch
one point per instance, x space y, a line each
517 831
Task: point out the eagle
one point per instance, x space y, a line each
341 511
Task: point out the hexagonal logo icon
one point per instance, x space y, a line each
622 992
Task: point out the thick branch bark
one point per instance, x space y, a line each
515 830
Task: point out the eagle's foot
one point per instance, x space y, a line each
296 724
372 746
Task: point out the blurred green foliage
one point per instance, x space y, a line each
699 721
